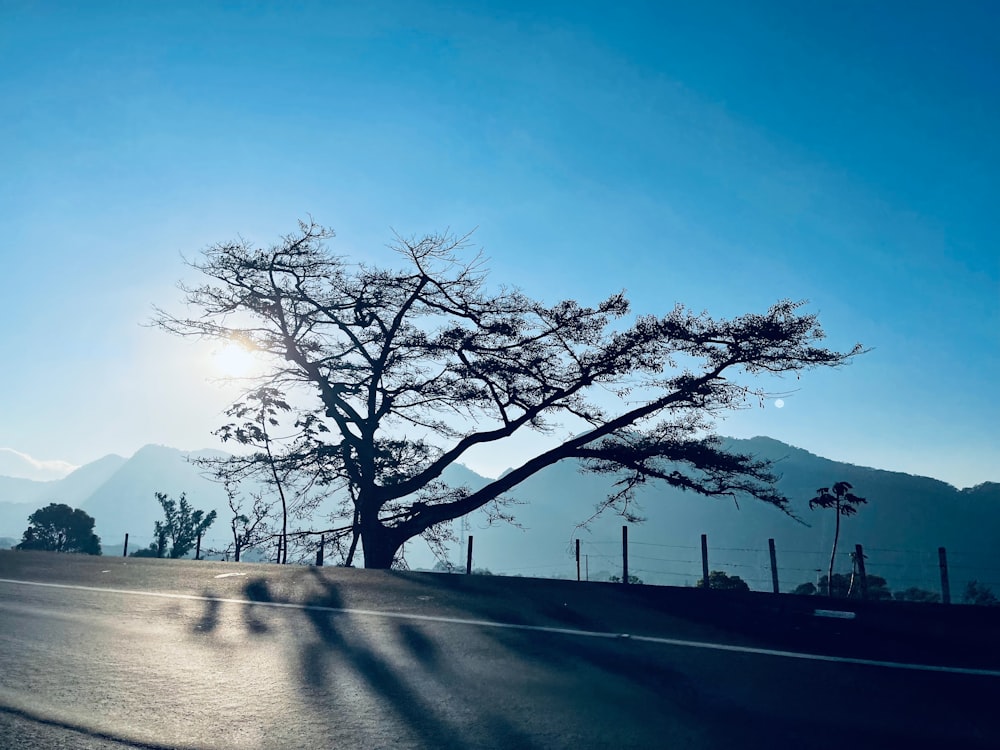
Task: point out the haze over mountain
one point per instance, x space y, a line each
20 465
905 521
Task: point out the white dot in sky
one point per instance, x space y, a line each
779 403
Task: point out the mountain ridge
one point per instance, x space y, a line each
908 515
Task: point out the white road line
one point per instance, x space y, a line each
514 626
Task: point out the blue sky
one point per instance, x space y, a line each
723 155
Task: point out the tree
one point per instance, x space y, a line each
397 374
631 579
59 528
259 412
841 587
979 594
158 547
182 525
248 530
915 594
722 581
844 503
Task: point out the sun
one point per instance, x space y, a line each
232 360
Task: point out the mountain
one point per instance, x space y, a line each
21 497
905 521
126 503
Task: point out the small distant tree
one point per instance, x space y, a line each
631 579
877 589
844 503
248 527
722 581
277 464
914 594
59 528
979 594
182 525
840 587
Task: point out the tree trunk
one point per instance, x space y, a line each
380 545
355 535
833 555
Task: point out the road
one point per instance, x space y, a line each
100 653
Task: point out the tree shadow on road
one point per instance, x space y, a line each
348 666
405 673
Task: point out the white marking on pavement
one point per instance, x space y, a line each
514 626
838 613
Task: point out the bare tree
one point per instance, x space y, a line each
275 461
248 526
402 372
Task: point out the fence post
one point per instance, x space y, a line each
586 566
319 552
578 560
625 554
945 585
859 555
125 550
704 560
197 549
468 558
774 565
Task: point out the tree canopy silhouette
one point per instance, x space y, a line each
722 581
182 525
59 528
392 375
844 503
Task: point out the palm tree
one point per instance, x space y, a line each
845 504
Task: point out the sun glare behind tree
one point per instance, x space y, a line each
232 359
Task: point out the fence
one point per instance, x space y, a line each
879 572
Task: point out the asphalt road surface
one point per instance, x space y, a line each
101 653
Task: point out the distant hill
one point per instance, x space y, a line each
901 528
125 502
21 497
907 519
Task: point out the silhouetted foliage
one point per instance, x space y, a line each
914 594
182 526
259 413
59 528
840 587
410 369
722 581
631 579
844 503
979 594
248 530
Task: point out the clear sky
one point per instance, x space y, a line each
724 155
